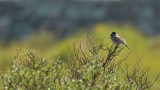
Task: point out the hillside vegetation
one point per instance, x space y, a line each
78 61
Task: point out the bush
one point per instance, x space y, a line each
89 66
28 71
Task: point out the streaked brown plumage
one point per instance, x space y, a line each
118 40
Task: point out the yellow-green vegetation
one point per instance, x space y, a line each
147 48
87 68
28 71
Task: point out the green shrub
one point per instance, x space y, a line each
89 66
92 76
28 71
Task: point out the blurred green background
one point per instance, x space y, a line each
50 26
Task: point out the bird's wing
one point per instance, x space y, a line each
120 39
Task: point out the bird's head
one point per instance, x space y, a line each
113 34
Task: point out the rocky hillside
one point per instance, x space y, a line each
19 18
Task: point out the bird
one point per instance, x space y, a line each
118 40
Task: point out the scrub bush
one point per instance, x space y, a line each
89 66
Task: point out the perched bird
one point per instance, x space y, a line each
118 40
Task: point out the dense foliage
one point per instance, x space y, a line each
28 71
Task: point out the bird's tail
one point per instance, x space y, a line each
127 46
